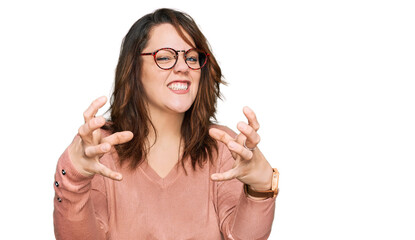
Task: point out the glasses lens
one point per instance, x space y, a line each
166 58
195 59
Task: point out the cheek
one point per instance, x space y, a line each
153 79
196 82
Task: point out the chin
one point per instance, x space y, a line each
180 108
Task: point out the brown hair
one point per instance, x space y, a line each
128 101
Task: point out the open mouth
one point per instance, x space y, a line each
179 85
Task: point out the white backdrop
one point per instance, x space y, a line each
332 83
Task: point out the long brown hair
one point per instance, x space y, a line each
128 101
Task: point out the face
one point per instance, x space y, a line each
172 90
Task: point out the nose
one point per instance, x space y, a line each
181 65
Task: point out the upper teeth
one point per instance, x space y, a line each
178 86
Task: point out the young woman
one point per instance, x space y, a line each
159 168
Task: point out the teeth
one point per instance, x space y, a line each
178 86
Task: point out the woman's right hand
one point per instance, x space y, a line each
87 148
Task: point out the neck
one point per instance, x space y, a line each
167 125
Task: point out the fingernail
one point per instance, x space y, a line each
214 177
118 177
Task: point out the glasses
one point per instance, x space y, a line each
166 58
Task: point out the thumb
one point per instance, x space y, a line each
106 172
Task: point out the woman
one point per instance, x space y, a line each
159 168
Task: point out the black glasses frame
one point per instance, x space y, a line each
177 54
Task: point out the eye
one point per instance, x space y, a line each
165 56
192 59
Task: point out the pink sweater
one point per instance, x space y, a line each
145 206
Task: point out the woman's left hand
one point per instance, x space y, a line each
250 165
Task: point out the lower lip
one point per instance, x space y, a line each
180 91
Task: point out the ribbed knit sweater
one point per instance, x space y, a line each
145 206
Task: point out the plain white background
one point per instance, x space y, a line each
332 83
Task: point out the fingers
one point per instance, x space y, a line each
106 172
86 130
234 146
240 150
228 175
220 135
250 115
118 138
94 107
107 143
250 129
249 135
97 150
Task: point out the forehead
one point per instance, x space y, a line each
165 35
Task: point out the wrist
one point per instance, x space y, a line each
263 194
264 182
76 159
261 187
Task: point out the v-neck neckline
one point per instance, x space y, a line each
164 182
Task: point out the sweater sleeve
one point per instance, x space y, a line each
80 205
240 216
